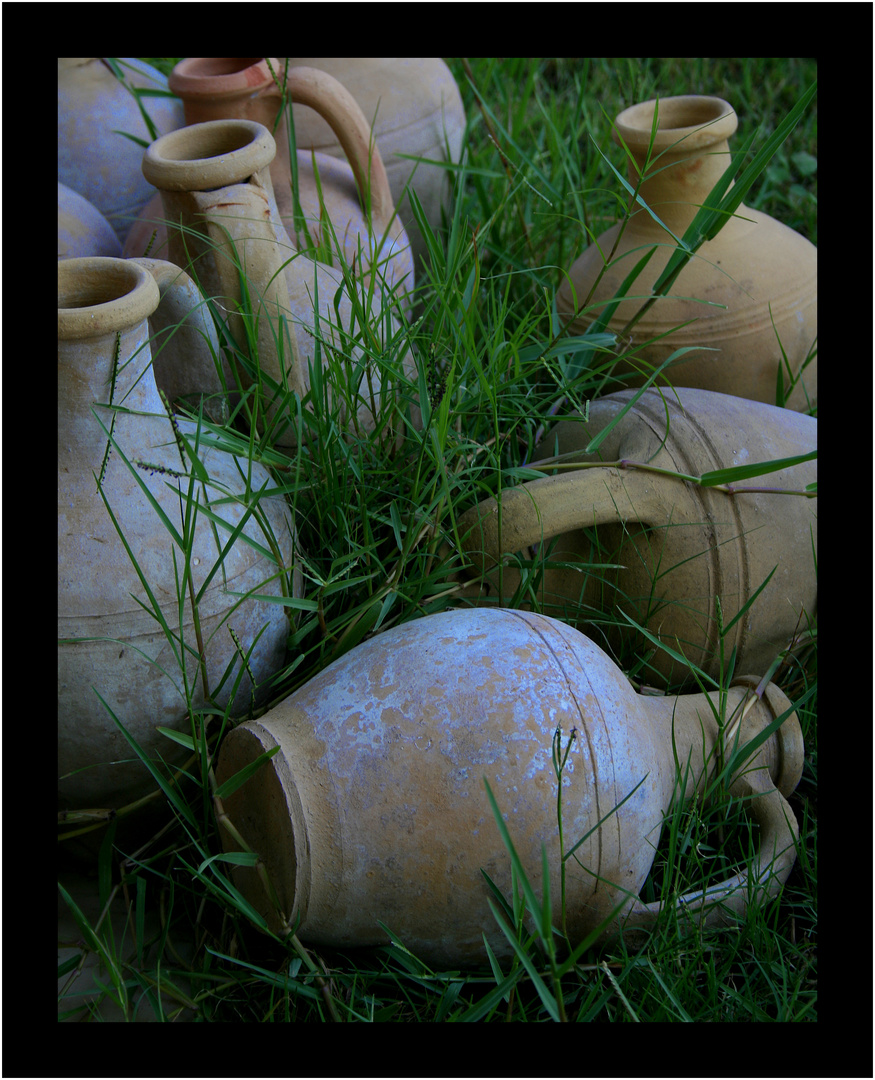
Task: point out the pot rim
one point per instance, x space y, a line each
221 76
697 120
207 156
100 295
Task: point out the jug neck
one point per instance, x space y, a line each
103 310
231 88
688 155
220 167
689 727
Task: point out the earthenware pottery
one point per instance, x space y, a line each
82 229
415 110
95 114
373 816
745 295
152 524
626 536
215 183
345 204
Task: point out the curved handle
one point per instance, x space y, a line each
778 761
335 104
185 347
767 872
543 509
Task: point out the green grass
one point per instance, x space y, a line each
378 531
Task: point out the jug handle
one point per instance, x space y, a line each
335 104
542 509
185 345
767 873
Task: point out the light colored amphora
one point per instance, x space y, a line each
287 315
169 551
746 295
373 815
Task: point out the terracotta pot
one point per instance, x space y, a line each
415 109
354 192
94 158
82 229
214 180
374 809
753 272
669 548
126 637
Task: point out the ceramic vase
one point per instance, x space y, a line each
675 557
753 284
374 809
95 113
415 110
215 183
82 229
345 203
152 523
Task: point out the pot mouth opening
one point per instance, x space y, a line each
194 69
267 813
208 156
700 120
99 295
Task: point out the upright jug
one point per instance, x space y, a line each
343 202
747 297
285 312
165 546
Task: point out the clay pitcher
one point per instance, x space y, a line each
165 546
374 810
677 558
755 270
353 194
415 110
215 184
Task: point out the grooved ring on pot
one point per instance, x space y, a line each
208 156
98 295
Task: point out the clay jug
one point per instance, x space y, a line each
82 229
374 809
126 469
215 183
754 271
415 110
673 549
354 193
94 157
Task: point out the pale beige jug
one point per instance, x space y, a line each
345 203
372 816
215 183
746 295
145 509
82 229
96 114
